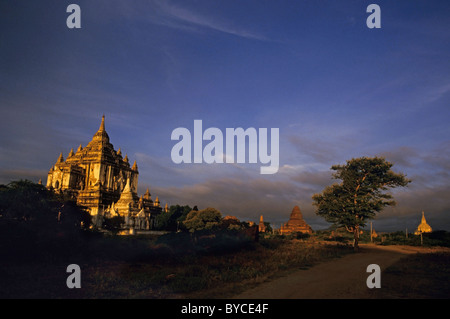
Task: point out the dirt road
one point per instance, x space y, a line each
339 278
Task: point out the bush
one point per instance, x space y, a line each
208 218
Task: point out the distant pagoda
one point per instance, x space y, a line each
296 223
423 226
261 225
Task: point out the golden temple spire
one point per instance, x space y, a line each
102 124
134 168
423 221
101 134
60 158
147 195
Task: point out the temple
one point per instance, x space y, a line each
295 224
104 182
423 226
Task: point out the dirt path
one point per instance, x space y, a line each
340 278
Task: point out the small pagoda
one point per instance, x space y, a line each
423 227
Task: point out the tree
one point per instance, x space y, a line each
34 222
172 219
24 200
207 218
360 195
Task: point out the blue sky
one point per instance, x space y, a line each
335 89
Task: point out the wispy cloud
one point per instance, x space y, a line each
180 17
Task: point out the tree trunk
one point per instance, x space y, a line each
356 238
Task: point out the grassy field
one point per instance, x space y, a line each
178 265
417 276
171 267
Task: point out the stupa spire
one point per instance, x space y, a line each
102 124
147 195
60 158
134 167
101 133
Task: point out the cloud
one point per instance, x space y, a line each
246 199
247 196
427 192
174 15
322 152
316 179
403 156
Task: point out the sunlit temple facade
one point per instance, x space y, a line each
104 182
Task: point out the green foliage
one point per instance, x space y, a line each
435 238
172 220
269 228
33 219
361 193
28 202
25 200
208 218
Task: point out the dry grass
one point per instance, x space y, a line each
214 275
419 276
143 268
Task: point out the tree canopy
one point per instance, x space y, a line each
172 219
207 218
25 201
361 193
34 219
